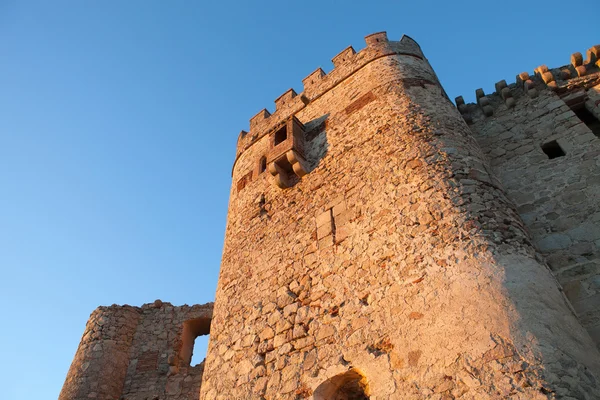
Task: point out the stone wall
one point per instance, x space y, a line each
100 364
139 353
557 194
396 267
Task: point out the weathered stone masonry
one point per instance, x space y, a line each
138 353
386 260
558 194
383 244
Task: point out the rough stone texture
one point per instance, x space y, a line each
138 353
558 198
397 267
100 364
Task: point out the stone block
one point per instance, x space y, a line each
339 208
587 304
547 77
324 218
579 272
325 242
342 219
323 231
555 241
500 85
576 59
488 111
479 93
587 231
341 234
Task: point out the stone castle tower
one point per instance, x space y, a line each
383 244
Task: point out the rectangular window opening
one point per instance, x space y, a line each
280 136
194 341
589 120
553 150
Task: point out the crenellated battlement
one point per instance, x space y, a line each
578 74
343 56
284 99
319 82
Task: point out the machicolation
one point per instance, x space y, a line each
385 243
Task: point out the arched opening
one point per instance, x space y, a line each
193 351
350 385
262 165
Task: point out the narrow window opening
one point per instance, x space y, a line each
589 120
553 149
262 165
280 136
199 350
194 341
351 385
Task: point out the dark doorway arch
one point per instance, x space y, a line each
351 385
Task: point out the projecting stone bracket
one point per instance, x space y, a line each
282 169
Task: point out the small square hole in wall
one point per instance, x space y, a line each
553 149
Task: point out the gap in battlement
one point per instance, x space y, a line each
589 120
553 150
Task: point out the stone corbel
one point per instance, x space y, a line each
280 176
298 163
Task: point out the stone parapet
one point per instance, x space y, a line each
347 62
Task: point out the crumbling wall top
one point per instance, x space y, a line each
156 305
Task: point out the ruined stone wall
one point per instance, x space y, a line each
139 353
396 267
558 197
100 364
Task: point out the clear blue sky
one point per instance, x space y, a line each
118 123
